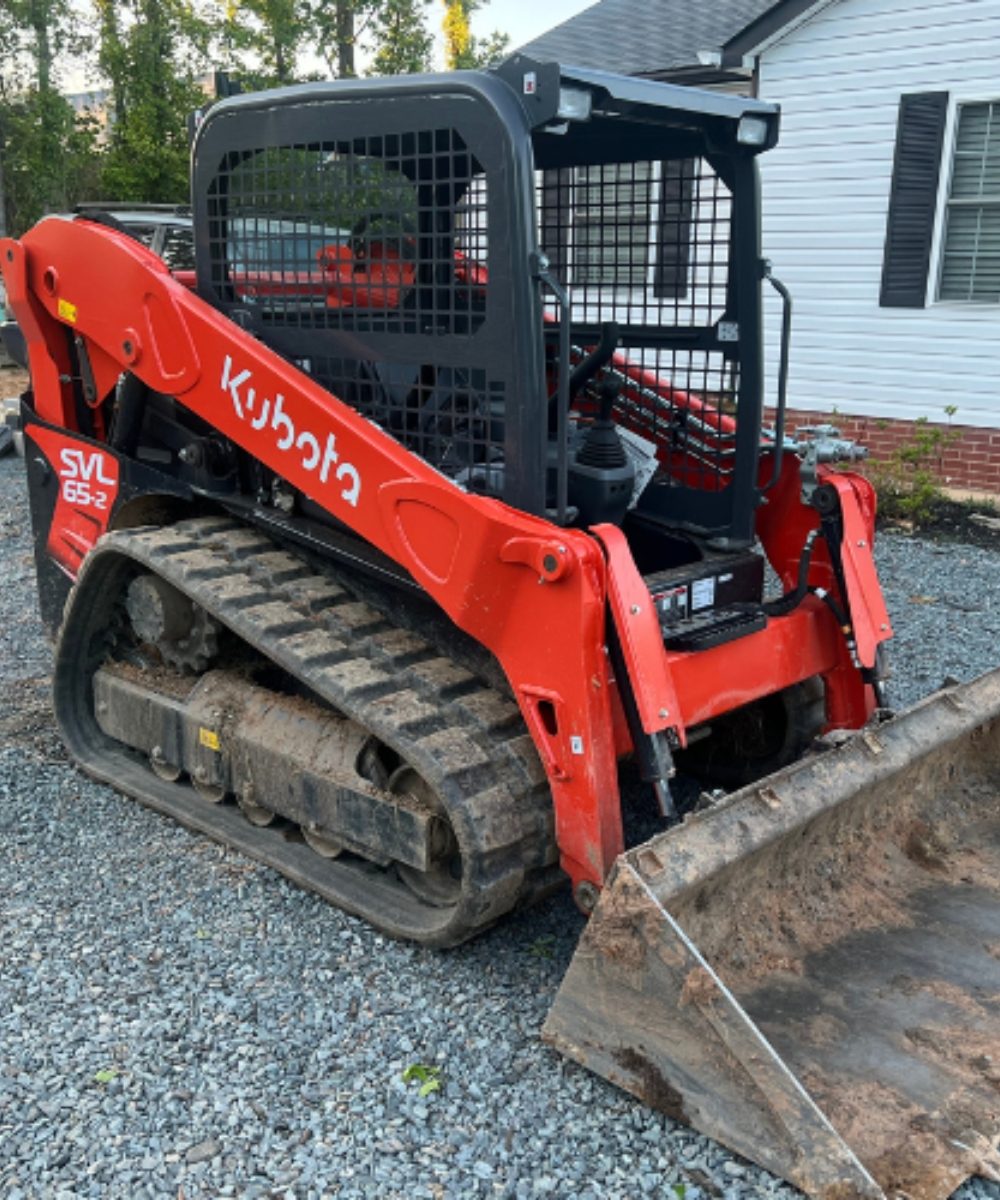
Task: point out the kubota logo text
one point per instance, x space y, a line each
86 481
263 413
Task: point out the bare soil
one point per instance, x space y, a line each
853 869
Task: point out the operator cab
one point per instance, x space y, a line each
543 280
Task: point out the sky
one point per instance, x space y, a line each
522 20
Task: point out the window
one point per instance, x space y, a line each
178 248
613 215
970 255
626 227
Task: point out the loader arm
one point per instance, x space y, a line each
534 594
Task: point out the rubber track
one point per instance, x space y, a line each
467 740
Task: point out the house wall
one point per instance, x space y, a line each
838 78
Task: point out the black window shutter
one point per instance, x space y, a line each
554 219
674 236
909 227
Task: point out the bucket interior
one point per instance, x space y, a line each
810 972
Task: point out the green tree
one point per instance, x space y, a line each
8 39
334 28
394 32
151 52
43 28
491 49
269 33
403 39
46 154
49 160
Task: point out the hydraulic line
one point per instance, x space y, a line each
791 600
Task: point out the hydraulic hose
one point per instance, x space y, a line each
791 600
127 425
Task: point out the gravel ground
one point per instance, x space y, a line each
176 1021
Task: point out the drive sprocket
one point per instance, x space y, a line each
185 635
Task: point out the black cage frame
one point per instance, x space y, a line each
455 353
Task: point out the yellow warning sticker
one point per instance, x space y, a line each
67 311
208 738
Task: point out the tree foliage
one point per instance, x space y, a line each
45 155
457 34
269 39
151 52
42 29
334 28
403 38
152 58
462 49
268 32
49 159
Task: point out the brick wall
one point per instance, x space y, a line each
966 457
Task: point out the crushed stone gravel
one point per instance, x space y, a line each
178 1021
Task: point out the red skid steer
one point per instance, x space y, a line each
441 507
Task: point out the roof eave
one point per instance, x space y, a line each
769 28
698 75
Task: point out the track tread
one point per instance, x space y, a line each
467 740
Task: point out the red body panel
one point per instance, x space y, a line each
534 594
88 486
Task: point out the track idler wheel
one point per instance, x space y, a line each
255 813
167 771
441 884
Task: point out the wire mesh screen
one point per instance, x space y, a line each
454 417
343 246
356 234
685 402
647 245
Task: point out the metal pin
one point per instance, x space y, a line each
668 810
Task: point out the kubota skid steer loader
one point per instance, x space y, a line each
446 493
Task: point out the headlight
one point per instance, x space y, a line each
574 104
752 131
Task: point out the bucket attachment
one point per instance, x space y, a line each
810 971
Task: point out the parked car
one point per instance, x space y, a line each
165 228
274 262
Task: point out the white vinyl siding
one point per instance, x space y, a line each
838 78
638 243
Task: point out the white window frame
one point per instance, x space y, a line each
932 297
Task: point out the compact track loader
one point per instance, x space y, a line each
442 504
